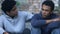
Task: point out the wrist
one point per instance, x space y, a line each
5 32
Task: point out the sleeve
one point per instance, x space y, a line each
37 23
1 26
28 16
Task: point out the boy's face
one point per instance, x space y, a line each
46 11
13 12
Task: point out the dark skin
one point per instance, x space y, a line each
46 11
5 33
12 14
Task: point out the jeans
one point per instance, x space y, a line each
38 31
56 31
35 31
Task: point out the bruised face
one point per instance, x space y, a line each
13 12
46 11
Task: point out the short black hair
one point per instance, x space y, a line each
7 5
49 3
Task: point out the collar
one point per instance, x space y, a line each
9 16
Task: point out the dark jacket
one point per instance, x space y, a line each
39 22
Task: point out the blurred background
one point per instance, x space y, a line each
33 6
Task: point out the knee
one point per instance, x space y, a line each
53 25
56 31
35 30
